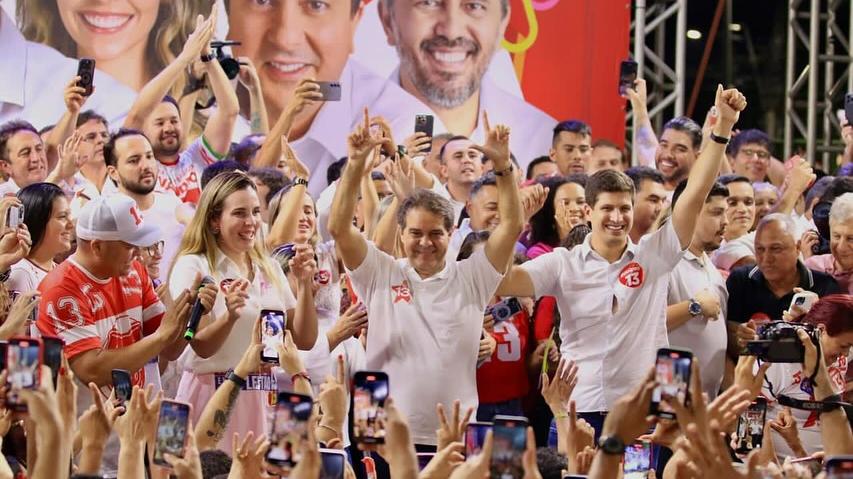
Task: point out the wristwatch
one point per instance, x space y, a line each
506 171
206 57
234 378
611 445
300 181
694 307
719 139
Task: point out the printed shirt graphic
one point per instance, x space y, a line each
89 313
183 178
504 375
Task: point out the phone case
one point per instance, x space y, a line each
86 72
424 124
170 431
331 91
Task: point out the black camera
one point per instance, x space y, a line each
229 64
778 342
506 309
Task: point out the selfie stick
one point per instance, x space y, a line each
197 311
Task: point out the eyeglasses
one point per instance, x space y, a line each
155 249
761 154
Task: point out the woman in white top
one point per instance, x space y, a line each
223 242
47 215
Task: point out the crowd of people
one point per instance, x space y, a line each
483 281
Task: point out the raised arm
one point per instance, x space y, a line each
307 92
258 118
645 140
283 228
350 244
220 125
729 104
64 128
156 89
501 244
797 181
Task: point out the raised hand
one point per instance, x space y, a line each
74 96
248 74
303 264
70 159
248 455
453 430
401 178
532 200
236 297
288 355
801 175
417 143
360 143
348 325
307 92
198 41
496 147
291 160
637 95
189 466
729 104
557 391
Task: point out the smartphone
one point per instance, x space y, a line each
53 355
509 443
15 216
475 435
750 426
23 367
839 467
627 75
637 460
172 430
370 389
289 429
423 459
272 333
803 300
848 108
86 72
4 348
424 124
333 463
331 90
122 386
673 376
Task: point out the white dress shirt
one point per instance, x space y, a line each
34 79
706 338
613 314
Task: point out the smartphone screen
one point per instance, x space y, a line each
839 467
423 459
333 463
637 460
370 389
122 385
15 216
172 430
673 375
272 334
475 435
509 443
627 75
750 426
53 355
289 429
23 366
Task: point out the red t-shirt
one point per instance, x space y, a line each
90 313
504 376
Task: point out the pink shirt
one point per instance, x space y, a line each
825 263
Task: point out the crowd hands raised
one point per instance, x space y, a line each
178 305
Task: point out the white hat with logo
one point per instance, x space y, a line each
116 218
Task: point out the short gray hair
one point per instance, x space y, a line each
430 201
785 222
842 209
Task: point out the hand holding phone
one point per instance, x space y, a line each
750 426
53 355
122 386
172 431
15 216
475 436
637 460
627 76
370 390
672 368
424 124
289 429
272 333
86 72
330 90
23 368
508 445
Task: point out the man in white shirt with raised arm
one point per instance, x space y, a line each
426 312
611 292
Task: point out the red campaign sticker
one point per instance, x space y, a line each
223 285
323 276
632 275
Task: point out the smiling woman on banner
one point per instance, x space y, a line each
132 40
223 242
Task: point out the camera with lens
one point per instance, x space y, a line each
505 309
229 64
778 342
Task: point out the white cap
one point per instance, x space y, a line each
116 218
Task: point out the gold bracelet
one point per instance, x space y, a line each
561 415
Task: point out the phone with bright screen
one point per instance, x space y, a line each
53 355
475 436
272 333
172 430
839 467
333 463
370 389
122 385
289 429
23 367
637 460
672 369
509 440
423 459
750 426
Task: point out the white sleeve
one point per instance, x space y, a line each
481 277
544 271
730 253
324 208
374 270
664 246
184 272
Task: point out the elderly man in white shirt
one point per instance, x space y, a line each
611 292
35 75
410 333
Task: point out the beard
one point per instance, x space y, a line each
160 148
136 187
441 88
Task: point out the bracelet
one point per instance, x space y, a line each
337 434
207 57
302 374
505 171
561 415
300 181
719 139
234 378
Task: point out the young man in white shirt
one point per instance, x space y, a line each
132 166
425 311
611 292
696 315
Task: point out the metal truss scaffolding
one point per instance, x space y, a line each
817 47
656 25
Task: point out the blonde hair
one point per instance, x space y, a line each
39 21
275 208
199 239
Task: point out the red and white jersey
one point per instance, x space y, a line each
91 313
183 177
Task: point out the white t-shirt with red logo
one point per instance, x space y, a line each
425 333
183 178
613 315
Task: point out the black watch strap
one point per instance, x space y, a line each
830 403
206 57
234 378
719 139
611 445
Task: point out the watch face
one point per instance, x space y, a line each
694 308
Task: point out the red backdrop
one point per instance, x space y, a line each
572 68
